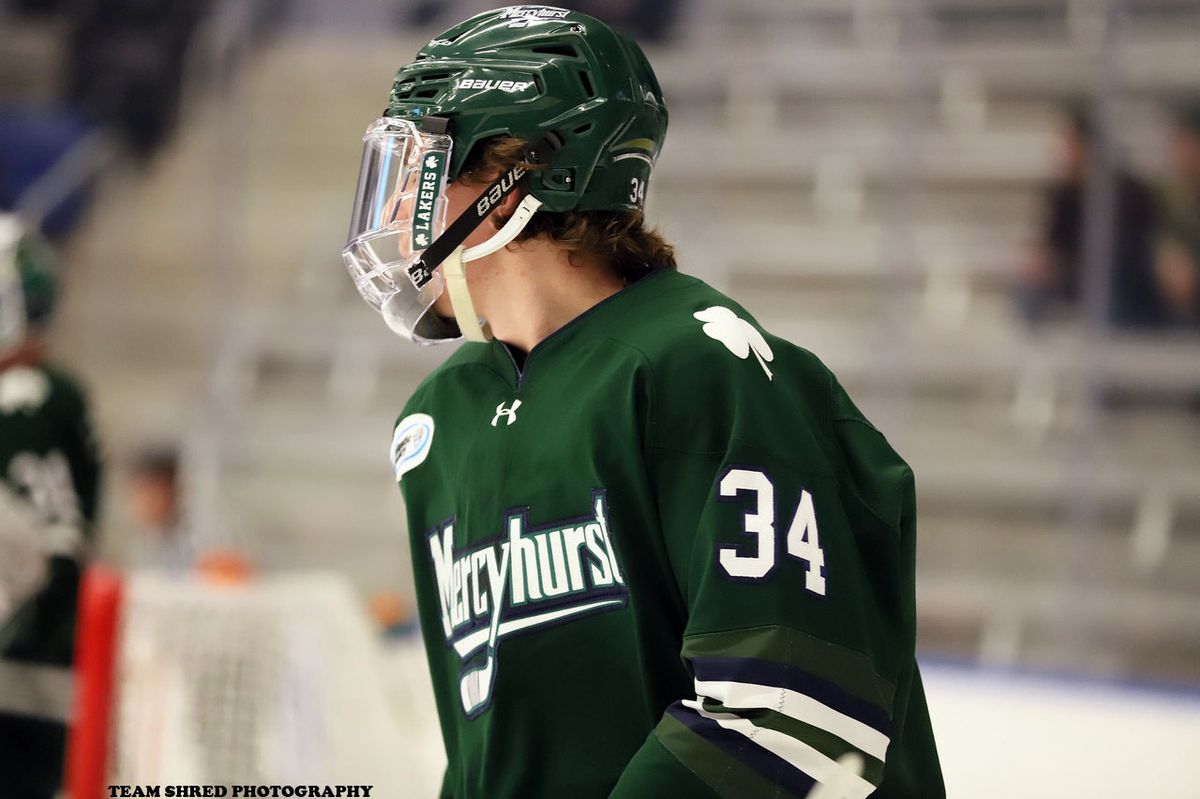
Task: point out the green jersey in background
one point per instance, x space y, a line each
663 555
47 459
48 456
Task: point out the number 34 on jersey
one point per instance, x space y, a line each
801 542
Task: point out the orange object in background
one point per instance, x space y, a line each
391 611
224 566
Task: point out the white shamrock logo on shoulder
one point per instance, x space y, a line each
22 388
739 336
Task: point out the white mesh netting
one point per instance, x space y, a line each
276 681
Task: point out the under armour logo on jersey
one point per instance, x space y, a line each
509 413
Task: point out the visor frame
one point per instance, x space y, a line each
399 209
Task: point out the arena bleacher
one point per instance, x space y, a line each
863 181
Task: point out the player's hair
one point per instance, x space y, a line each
156 462
620 238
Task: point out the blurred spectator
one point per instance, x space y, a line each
155 500
1178 252
127 62
165 541
1052 278
49 478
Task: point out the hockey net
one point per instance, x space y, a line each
275 681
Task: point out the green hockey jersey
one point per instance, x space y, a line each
663 555
48 459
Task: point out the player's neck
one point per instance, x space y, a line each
534 290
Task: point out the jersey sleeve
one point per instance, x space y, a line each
84 458
788 522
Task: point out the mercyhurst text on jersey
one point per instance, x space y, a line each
666 556
548 564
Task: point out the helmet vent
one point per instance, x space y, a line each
555 49
582 129
403 89
587 84
425 94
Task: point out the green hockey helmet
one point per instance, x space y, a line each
580 96
529 71
28 284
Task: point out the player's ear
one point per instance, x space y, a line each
506 208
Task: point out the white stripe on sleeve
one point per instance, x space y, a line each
797 753
803 708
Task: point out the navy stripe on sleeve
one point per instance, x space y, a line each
773 768
782 675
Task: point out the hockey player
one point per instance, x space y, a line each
48 481
657 550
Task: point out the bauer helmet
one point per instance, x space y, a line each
582 96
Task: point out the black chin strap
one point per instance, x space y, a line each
421 271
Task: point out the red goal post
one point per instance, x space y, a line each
96 647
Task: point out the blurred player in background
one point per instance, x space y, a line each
165 543
156 504
657 551
1178 250
49 473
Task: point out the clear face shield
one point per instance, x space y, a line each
399 210
399 236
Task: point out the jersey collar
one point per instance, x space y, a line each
508 359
